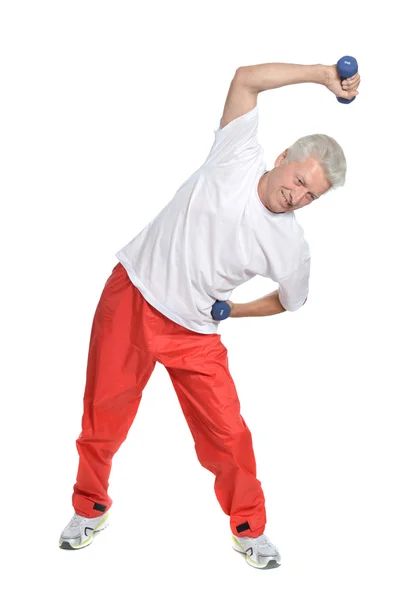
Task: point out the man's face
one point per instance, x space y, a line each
290 186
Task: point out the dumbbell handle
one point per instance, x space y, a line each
347 67
220 310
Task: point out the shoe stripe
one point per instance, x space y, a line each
237 543
101 522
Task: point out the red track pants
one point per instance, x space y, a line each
128 337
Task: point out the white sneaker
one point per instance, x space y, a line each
80 531
259 552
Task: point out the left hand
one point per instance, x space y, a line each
347 88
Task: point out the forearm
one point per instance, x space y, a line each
274 75
263 307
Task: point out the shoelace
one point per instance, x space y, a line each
262 540
76 519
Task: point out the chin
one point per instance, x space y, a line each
279 208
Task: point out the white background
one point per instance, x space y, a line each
106 108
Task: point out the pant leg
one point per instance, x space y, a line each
120 363
199 372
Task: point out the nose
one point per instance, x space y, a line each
297 195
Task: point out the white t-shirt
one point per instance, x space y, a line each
216 234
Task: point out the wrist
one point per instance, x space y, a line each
321 74
232 308
330 74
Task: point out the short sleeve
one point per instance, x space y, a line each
237 138
293 290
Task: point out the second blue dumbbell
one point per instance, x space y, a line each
220 310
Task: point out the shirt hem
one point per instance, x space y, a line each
154 303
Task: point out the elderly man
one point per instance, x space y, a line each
231 220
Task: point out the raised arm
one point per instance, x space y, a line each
249 81
240 99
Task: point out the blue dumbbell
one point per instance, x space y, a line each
220 310
347 67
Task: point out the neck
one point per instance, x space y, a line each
261 190
262 196
261 185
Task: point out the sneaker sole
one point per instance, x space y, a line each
64 545
272 563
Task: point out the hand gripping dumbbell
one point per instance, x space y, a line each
220 310
347 67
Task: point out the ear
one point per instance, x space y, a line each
280 158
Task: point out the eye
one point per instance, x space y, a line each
310 196
300 181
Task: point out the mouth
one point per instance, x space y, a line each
285 203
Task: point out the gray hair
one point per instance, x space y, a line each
326 150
